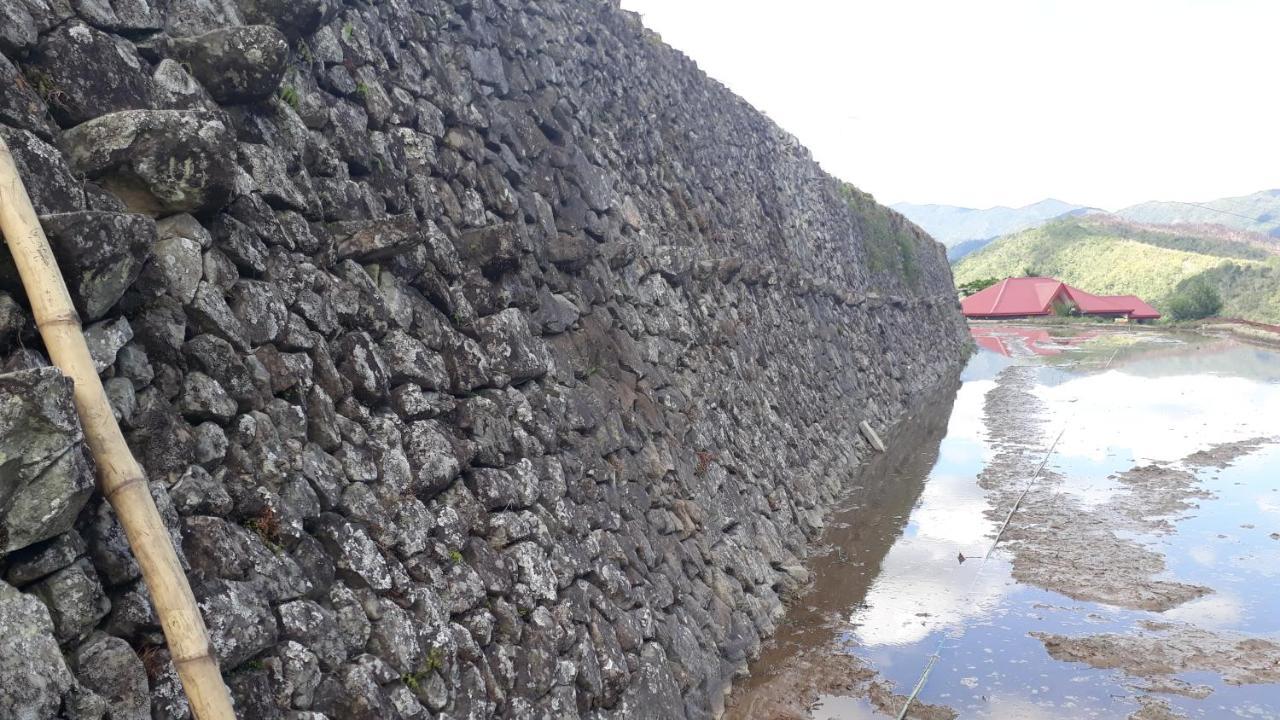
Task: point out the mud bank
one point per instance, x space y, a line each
796 690
1166 649
1056 542
1088 552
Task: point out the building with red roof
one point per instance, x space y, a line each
1040 296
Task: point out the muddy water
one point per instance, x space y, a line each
1138 578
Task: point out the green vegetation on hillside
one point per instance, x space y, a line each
1194 299
975 286
1159 264
891 245
1249 291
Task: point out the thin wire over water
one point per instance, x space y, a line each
937 652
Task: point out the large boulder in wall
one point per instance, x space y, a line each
159 162
236 64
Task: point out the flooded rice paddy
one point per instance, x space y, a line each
1139 576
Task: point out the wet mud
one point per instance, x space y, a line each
1058 544
1166 649
1088 553
1153 708
794 691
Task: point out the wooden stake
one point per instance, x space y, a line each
120 478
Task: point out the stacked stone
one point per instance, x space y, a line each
486 358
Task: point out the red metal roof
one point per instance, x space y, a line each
1013 297
1097 304
1029 296
1139 310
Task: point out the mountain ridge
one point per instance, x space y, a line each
1258 212
952 224
964 230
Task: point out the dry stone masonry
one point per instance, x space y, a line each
486 358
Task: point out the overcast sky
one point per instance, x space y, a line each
1006 102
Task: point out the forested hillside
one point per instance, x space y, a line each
1106 255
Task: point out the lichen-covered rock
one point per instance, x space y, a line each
364 366
270 172
176 266
18 29
20 105
100 255
556 313
294 17
33 675
241 623
109 667
408 359
119 15
50 183
84 73
184 18
316 627
235 64
158 161
46 477
430 455
374 239
105 340
494 249
14 321
358 559
44 559
204 399
210 313
511 346
123 399
75 599
260 310
177 90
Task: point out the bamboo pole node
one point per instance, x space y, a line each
124 485
120 478
72 318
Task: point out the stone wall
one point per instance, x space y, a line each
487 359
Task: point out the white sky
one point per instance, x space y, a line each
1006 102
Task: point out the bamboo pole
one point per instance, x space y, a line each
120 478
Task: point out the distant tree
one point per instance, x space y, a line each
1030 272
974 286
1193 300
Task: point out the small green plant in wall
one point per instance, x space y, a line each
289 94
433 662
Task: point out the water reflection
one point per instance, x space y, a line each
1125 397
857 540
1155 417
922 587
1015 341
